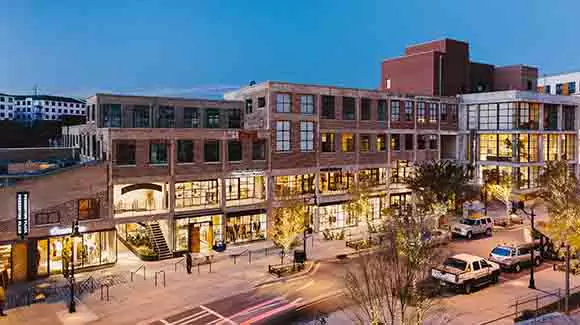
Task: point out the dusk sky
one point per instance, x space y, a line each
191 47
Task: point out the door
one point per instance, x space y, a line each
194 238
477 227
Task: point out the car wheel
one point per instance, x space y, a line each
537 261
488 232
517 268
467 288
469 235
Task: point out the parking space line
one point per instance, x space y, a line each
216 314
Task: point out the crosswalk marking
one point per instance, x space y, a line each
189 318
216 314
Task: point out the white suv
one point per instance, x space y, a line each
468 227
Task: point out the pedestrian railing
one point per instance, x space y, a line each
159 273
531 307
245 251
181 261
133 273
104 290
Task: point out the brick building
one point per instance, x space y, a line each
443 68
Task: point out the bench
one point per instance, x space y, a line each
285 269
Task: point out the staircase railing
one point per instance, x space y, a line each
152 239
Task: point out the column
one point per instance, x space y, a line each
560 115
541 117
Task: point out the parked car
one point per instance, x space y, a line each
465 272
515 256
437 237
468 227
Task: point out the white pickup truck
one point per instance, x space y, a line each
464 271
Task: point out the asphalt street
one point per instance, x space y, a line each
309 297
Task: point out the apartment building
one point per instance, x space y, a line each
46 107
560 84
6 107
516 132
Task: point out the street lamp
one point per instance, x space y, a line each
74 234
307 227
519 205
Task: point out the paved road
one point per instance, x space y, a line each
308 297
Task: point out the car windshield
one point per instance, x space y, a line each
501 251
468 222
455 263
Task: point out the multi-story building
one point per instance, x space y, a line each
443 68
205 172
516 132
560 84
46 107
6 107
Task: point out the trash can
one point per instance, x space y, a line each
299 256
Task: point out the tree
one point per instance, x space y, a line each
560 191
500 186
360 205
440 181
386 286
288 222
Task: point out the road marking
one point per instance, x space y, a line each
311 282
216 314
256 307
320 298
271 312
190 318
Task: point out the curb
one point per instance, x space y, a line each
307 272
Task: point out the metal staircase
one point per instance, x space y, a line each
158 240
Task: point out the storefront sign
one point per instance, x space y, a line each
22 214
60 231
247 173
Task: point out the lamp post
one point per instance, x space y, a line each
74 234
519 205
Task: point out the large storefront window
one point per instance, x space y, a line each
246 228
338 181
528 177
372 177
245 190
197 195
6 258
505 148
294 185
137 199
198 234
93 249
528 147
550 147
335 217
377 204
400 169
400 202
568 147
488 116
507 116
529 116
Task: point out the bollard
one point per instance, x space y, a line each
235 256
209 266
250 257
197 268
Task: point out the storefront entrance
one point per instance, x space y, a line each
201 237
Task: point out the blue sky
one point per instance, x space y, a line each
198 47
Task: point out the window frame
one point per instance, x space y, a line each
206 146
92 212
330 144
328 107
307 104
306 136
395 111
232 145
283 103
283 136
348 108
346 145
181 151
162 153
365 109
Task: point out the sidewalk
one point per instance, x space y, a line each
140 300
